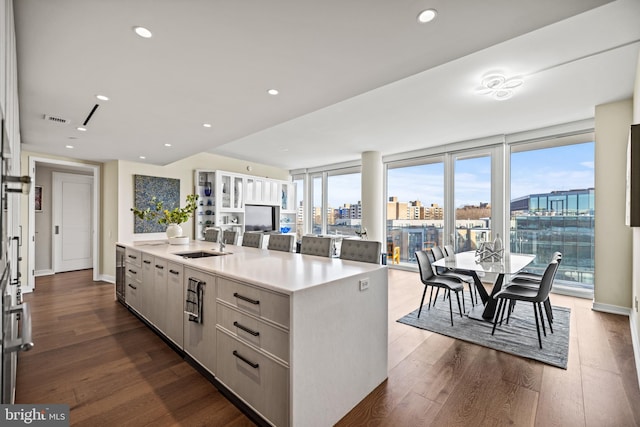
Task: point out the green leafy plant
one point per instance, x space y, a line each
165 216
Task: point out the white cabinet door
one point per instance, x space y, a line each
200 338
175 303
159 313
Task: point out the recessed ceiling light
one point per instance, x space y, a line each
142 32
102 97
68 146
427 16
273 91
167 145
81 129
143 157
207 125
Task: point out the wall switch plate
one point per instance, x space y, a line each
364 284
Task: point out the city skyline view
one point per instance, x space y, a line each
534 171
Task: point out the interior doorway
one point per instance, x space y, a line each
72 227
48 254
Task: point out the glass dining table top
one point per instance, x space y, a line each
510 263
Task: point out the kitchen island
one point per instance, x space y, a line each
300 339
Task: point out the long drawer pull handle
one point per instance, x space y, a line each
132 256
131 286
133 271
244 328
247 299
146 261
176 272
161 267
248 362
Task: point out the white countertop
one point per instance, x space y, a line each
279 271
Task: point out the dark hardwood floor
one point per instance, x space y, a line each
112 370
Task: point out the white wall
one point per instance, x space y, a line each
635 290
612 237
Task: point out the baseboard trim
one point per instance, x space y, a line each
609 308
107 278
635 341
39 273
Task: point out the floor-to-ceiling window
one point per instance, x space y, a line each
298 182
316 207
552 208
344 207
472 201
415 208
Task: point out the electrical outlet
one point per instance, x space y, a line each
364 284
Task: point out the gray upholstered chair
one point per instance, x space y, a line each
252 240
281 242
361 250
212 235
230 237
319 246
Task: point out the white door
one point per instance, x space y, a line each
72 233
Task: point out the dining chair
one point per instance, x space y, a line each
252 239
211 234
361 250
429 278
281 242
230 237
535 296
532 280
462 276
319 246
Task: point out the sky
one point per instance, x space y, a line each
535 171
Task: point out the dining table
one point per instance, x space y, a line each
469 261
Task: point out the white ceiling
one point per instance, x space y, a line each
353 75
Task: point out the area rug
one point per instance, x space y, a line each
519 337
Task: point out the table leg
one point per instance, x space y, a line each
490 306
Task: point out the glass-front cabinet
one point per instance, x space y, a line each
222 197
229 200
205 213
288 212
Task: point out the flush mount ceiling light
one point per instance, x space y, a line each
207 125
81 129
142 157
142 32
102 97
167 145
427 16
498 86
69 146
273 91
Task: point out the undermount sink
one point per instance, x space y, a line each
200 254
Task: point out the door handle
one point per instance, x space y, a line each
57 229
25 342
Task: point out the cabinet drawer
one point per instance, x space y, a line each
259 302
269 338
259 381
133 256
133 271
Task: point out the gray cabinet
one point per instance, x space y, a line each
200 338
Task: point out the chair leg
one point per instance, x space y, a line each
450 307
458 298
463 307
544 329
436 297
547 308
430 297
422 300
512 304
505 307
497 315
535 312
